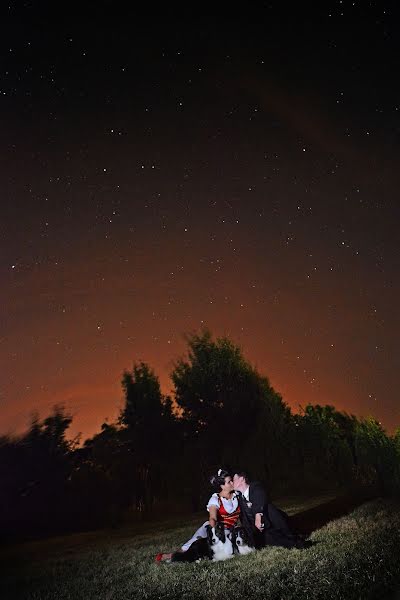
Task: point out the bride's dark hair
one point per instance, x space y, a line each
219 479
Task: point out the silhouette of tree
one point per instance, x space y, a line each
99 483
396 441
148 427
377 457
228 409
37 471
323 442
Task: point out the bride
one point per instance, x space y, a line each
223 507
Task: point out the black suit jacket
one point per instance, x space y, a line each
257 503
257 498
277 530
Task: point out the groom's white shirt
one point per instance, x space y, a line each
246 493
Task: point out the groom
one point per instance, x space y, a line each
266 524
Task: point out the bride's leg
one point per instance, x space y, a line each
201 532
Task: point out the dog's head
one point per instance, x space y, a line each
241 537
216 534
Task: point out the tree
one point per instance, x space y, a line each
101 481
378 460
36 471
325 441
148 428
231 414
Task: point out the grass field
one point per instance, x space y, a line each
356 556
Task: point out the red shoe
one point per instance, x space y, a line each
161 557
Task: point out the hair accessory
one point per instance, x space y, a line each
219 472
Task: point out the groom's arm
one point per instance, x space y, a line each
259 498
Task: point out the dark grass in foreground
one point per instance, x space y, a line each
356 556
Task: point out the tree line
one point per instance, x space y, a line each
155 460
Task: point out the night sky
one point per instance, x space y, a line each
238 173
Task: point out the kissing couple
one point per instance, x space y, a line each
238 507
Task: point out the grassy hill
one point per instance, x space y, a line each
356 556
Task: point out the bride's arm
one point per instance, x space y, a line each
213 516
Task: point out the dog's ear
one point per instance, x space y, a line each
209 533
221 532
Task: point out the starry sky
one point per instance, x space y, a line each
157 177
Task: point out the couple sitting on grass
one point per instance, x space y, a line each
237 499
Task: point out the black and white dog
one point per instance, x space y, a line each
221 543
216 546
241 541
